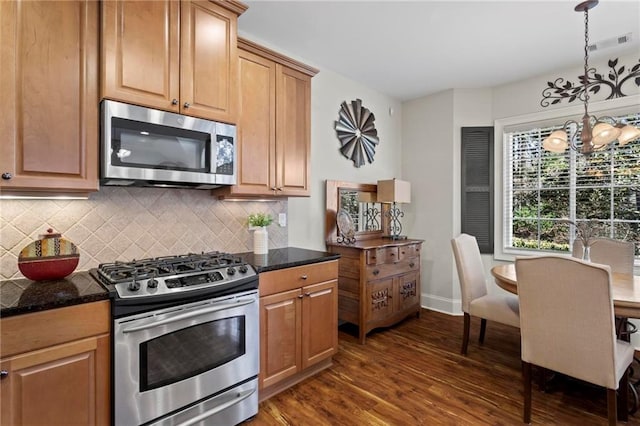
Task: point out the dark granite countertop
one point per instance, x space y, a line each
23 296
285 258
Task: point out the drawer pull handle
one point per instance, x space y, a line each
307 294
3 374
300 296
393 254
304 277
411 265
376 272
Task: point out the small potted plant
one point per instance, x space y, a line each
260 235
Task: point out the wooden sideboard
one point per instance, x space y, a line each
378 282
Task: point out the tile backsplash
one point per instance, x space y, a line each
134 223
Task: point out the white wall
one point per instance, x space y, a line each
427 162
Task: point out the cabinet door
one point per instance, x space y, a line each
208 61
280 328
293 125
49 103
319 322
380 299
140 53
256 126
65 384
407 291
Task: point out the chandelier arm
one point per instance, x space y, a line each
573 134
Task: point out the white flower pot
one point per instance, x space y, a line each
261 241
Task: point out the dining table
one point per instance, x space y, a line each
625 289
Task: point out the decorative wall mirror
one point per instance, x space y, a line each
359 201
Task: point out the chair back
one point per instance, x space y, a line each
566 317
473 283
615 253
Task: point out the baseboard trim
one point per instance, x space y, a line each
441 304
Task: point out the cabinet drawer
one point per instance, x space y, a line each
296 277
53 327
382 255
376 272
409 251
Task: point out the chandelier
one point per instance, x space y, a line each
597 133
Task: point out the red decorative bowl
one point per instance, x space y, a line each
49 258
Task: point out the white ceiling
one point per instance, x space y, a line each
408 49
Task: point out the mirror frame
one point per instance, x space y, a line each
333 188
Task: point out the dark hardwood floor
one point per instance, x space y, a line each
413 374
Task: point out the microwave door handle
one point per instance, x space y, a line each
239 398
179 317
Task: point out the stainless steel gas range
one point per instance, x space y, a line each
185 339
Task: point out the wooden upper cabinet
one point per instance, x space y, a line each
49 102
174 56
141 53
274 125
293 124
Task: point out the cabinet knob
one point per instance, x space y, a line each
7 176
3 374
300 296
187 105
376 271
304 277
411 265
174 102
307 294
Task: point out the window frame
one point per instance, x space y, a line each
612 107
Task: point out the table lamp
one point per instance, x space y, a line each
394 191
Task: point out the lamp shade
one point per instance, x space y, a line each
627 134
604 133
394 191
556 142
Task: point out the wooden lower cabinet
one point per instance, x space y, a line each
64 384
298 324
379 282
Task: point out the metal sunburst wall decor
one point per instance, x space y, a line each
357 132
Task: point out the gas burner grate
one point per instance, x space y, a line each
163 266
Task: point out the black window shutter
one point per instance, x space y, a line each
477 185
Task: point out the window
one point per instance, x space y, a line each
541 189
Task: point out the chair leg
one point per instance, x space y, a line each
623 397
527 392
465 335
611 407
483 328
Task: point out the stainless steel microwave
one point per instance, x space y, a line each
147 147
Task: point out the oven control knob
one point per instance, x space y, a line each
152 283
243 269
231 271
134 286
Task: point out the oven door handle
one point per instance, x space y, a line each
239 398
179 317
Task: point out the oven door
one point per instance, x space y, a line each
167 359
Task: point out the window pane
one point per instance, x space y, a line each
542 188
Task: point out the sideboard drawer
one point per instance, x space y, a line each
382 255
409 251
377 272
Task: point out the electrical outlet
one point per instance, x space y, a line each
282 219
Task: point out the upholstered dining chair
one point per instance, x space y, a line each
615 253
476 301
559 290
